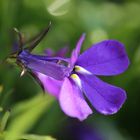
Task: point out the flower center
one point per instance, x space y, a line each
76 79
74 74
81 70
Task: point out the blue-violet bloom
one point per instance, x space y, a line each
80 81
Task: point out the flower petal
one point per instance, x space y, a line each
50 58
50 85
105 98
62 52
76 51
26 55
49 52
72 101
105 58
48 68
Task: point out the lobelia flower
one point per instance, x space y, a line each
76 81
80 81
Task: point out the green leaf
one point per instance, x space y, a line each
4 121
26 137
37 137
28 113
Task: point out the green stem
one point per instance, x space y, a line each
4 121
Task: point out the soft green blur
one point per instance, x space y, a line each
25 111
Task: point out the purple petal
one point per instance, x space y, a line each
105 58
76 51
49 52
26 54
62 52
48 68
105 98
50 58
72 101
50 85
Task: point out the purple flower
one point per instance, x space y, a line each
80 81
73 79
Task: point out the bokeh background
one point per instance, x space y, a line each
27 113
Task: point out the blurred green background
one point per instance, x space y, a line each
25 112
